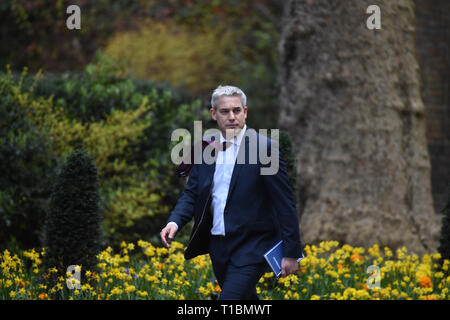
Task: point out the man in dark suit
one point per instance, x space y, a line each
239 212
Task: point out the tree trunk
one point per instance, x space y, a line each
350 97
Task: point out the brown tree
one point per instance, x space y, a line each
350 97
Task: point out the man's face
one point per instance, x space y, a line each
230 115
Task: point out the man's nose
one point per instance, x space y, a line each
231 115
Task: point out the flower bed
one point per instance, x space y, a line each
142 271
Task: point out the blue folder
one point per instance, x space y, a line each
274 256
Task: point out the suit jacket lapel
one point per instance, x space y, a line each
210 168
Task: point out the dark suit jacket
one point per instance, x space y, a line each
259 212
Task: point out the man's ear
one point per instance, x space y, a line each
245 112
213 113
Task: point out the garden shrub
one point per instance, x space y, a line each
112 143
167 52
27 169
101 88
130 144
73 224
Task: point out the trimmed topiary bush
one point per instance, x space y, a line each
73 225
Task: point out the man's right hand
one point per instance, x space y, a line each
168 233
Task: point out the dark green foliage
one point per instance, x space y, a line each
91 95
26 168
287 150
37 35
73 224
444 246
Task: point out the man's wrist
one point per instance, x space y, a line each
289 258
172 223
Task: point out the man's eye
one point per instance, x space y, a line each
237 110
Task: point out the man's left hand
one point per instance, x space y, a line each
288 266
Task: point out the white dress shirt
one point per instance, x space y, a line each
221 181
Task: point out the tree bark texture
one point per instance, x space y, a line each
350 98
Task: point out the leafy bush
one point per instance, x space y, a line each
130 144
174 54
91 95
27 168
37 35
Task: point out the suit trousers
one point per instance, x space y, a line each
236 282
